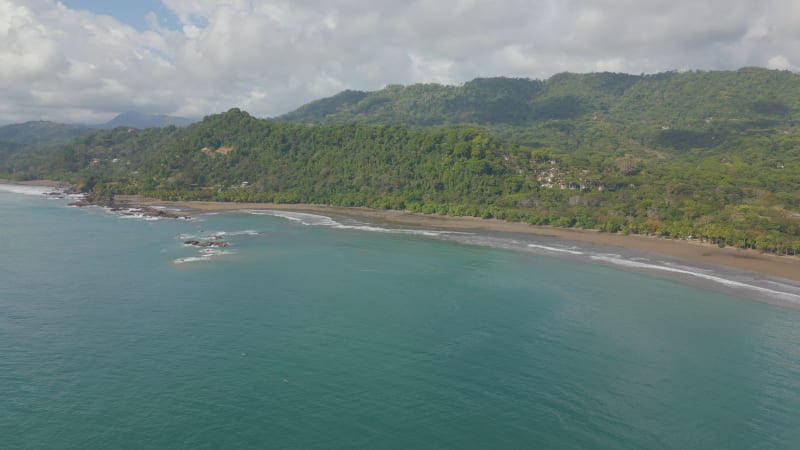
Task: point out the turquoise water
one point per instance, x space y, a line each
115 335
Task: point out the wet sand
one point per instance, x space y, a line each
787 267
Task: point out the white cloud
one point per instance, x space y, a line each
271 56
780 62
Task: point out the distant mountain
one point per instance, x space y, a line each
144 120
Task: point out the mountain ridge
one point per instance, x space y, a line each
520 101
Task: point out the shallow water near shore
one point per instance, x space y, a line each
315 332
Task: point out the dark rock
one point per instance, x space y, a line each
129 209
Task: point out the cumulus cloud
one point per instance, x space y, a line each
269 57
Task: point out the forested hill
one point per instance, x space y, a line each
756 97
36 136
40 132
713 155
19 137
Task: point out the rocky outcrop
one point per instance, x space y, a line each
150 212
129 209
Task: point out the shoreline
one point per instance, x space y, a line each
42 183
785 267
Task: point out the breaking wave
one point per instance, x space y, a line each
317 220
556 249
204 254
538 245
26 190
705 275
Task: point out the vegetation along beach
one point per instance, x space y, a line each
407 225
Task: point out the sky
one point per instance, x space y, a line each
85 61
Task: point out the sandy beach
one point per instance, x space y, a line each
786 267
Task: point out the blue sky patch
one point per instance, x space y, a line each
128 12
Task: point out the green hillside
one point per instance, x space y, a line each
676 99
40 132
510 101
19 137
707 154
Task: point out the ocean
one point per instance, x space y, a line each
312 332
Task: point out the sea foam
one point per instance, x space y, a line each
205 254
317 220
788 293
705 275
236 233
783 292
26 190
571 250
